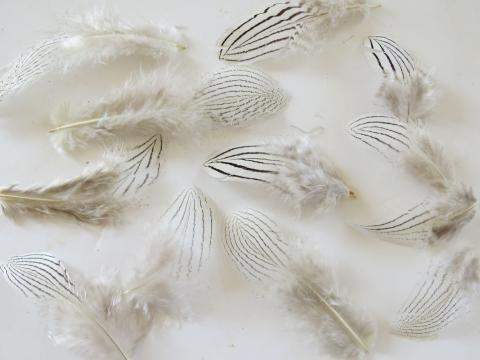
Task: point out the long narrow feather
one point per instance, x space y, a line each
191 220
87 198
430 223
254 244
312 294
293 166
287 25
441 299
152 103
96 37
407 91
104 316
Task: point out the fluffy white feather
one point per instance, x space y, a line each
96 37
89 198
312 294
168 105
293 166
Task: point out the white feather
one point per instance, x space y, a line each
94 38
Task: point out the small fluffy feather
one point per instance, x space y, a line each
426 160
96 37
308 180
311 293
413 100
88 198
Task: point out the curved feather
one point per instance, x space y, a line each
254 244
385 134
391 58
237 95
142 166
441 298
190 218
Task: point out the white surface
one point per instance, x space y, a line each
230 319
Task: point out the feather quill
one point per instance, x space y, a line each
293 166
287 25
150 103
311 293
441 299
96 37
102 317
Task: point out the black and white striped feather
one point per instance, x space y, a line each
254 244
441 299
293 166
141 167
285 26
96 37
190 218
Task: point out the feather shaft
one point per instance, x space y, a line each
75 125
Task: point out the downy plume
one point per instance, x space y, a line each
407 90
255 245
311 293
441 299
190 219
149 103
99 318
293 166
431 223
96 37
88 198
285 26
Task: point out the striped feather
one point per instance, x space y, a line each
385 134
434 305
249 163
267 33
237 95
391 58
190 218
39 275
142 166
254 244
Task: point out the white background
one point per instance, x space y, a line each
231 319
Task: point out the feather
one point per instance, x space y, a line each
104 316
141 167
149 103
427 161
190 219
310 291
293 166
431 223
407 91
254 244
96 37
441 299
88 198
285 26
385 134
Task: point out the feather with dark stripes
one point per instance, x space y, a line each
293 166
407 91
441 299
190 219
238 95
385 134
142 166
102 317
431 223
284 26
254 244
